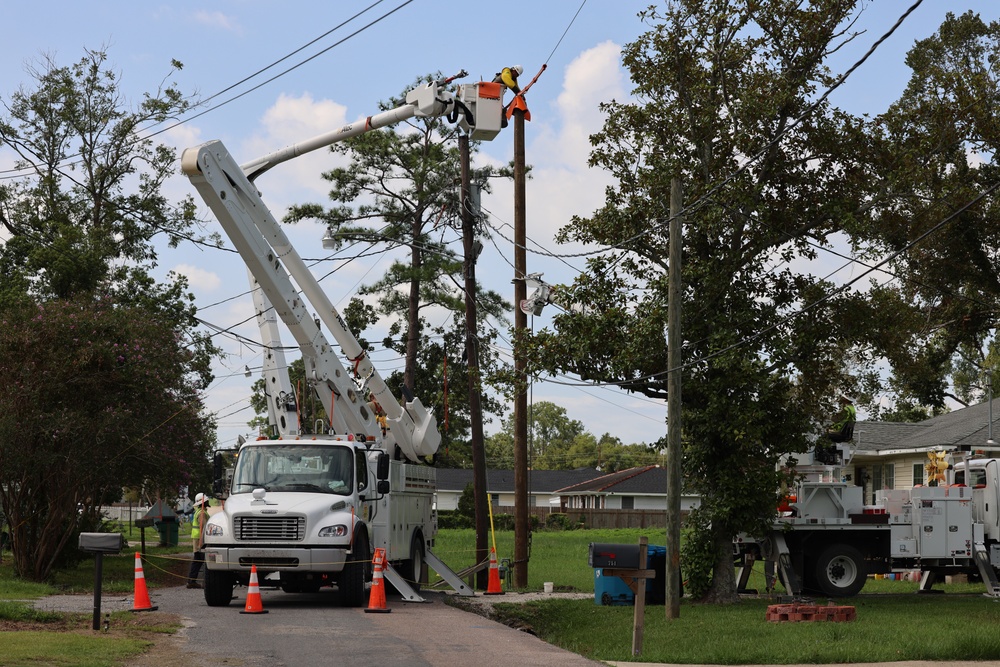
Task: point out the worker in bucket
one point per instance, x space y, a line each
198 522
508 77
842 430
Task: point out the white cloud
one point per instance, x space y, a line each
291 120
199 279
561 184
217 20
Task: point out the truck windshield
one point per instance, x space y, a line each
283 467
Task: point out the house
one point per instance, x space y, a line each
542 486
639 488
894 455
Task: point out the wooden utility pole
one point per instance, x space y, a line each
674 291
479 489
520 363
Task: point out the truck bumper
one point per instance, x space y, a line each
236 559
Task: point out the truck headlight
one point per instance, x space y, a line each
339 530
214 530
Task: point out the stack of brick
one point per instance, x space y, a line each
777 613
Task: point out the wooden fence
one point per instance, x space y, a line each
602 518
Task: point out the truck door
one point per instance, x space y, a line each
991 501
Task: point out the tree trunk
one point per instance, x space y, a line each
723 587
413 314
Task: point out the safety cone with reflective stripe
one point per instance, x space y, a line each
254 604
140 601
376 601
494 587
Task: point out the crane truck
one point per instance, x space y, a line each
826 541
306 511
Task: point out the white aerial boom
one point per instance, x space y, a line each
227 187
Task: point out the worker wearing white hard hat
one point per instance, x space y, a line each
508 77
198 539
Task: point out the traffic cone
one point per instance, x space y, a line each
254 604
140 601
494 587
376 601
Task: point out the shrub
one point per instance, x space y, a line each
559 521
449 519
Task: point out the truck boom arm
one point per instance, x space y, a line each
228 189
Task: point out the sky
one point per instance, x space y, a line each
341 74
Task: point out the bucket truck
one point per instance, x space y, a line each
826 541
308 511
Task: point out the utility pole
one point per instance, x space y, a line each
674 291
479 488
520 363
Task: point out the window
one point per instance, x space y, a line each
628 502
918 474
362 470
883 477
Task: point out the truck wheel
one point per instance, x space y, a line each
840 571
218 588
414 567
357 572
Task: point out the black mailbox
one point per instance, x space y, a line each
614 555
104 543
144 522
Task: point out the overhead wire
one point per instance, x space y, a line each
188 119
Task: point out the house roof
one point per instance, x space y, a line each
501 481
965 427
635 481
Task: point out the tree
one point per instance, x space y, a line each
935 165
718 83
99 398
106 366
728 100
401 191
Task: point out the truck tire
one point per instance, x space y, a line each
840 571
357 572
414 567
218 588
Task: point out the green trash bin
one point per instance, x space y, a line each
168 527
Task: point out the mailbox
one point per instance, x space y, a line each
102 543
614 556
144 522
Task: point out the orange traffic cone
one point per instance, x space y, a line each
254 604
140 601
376 602
494 588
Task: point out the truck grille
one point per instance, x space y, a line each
270 529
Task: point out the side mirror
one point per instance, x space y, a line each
382 487
382 468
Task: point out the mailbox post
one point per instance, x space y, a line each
628 562
99 544
142 524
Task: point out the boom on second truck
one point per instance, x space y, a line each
826 541
308 512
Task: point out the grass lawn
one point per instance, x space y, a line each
31 637
893 622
